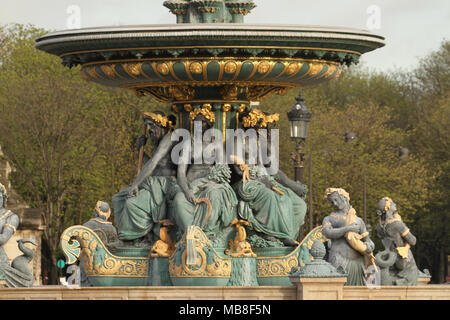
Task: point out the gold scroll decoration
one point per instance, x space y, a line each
219 267
281 266
79 242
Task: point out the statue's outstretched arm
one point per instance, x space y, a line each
299 188
163 148
182 170
141 142
183 182
411 239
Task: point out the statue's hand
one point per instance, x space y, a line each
302 189
207 185
354 227
370 246
189 196
133 192
142 141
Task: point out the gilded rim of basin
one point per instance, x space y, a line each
160 59
99 44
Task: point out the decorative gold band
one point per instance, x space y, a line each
162 120
11 226
6 214
405 233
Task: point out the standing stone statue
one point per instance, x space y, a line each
17 273
351 246
396 261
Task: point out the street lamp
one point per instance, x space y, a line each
299 118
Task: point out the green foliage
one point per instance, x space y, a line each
72 142
430 132
337 163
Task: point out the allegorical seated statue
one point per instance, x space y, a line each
16 273
396 261
139 208
206 198
351 246
268 202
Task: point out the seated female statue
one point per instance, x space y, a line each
140 207
206 199
272 204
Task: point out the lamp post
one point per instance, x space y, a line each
299 118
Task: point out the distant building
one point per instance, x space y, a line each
30 222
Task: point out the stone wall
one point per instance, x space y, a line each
151 293
428 292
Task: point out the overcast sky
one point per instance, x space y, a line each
412 28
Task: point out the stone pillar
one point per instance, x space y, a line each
319 288
318 279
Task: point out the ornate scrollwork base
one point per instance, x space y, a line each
207 262
281 266
82 243
79 242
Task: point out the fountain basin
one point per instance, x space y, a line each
247 62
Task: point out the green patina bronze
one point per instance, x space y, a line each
212 11
131 266
194 219
318 267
